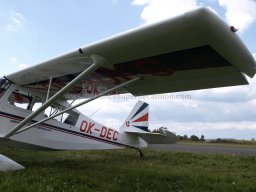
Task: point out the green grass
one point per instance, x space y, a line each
123 170
234 143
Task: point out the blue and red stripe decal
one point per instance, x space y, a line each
143 106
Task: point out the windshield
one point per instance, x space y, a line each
2 82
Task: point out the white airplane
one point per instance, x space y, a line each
196 50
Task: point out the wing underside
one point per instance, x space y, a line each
194 51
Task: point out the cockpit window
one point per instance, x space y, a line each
71 117
4 85
2 81
20 99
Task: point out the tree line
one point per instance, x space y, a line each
184 137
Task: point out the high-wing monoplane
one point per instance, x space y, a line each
196 50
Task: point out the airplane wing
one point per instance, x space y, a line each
196 50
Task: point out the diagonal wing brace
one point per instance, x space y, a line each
82 103
97 62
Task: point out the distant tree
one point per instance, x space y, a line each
253 139
202 138
180 137
185 137
194 138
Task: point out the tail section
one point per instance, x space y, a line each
136 125
137 120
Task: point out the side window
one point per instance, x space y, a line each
20 99
36 103
69 117
4 85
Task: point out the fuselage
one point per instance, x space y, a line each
69 131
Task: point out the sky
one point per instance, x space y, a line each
35 31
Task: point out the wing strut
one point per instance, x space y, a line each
49 88
82 103
97 62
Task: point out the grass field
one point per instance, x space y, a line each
123 170
234 143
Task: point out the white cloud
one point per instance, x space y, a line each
13 59
15 22
156 10
228 94
213 119
18 18
116 2
240 13
11 28
17 62
22 66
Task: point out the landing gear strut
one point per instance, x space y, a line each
141 153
